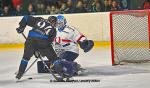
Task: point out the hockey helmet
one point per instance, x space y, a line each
61 21
52 20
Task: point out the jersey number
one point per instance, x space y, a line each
42 26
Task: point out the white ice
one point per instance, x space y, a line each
97 62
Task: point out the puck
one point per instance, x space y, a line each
30 78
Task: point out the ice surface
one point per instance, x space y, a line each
97 62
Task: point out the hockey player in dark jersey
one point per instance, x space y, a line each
39 39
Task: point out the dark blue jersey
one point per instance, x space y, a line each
41 28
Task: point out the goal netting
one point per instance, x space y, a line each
130 37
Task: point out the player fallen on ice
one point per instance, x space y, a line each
39 39
66 46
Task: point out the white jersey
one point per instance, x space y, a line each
68 39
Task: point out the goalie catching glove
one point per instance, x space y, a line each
86 45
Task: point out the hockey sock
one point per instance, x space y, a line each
22 68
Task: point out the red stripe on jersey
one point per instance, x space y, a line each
80 38
63 40
59 40
54 39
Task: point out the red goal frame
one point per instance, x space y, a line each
111 28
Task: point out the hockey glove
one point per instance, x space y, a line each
86 45
20 30
36 54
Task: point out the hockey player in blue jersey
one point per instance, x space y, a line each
39 39
67 39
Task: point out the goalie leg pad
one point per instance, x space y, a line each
65 68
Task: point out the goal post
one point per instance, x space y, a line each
130 36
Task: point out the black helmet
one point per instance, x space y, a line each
52 20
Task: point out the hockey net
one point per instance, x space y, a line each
130 37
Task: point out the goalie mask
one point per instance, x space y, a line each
61 22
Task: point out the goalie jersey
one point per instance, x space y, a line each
67 39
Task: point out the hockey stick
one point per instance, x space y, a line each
31 65
49 69
24 35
